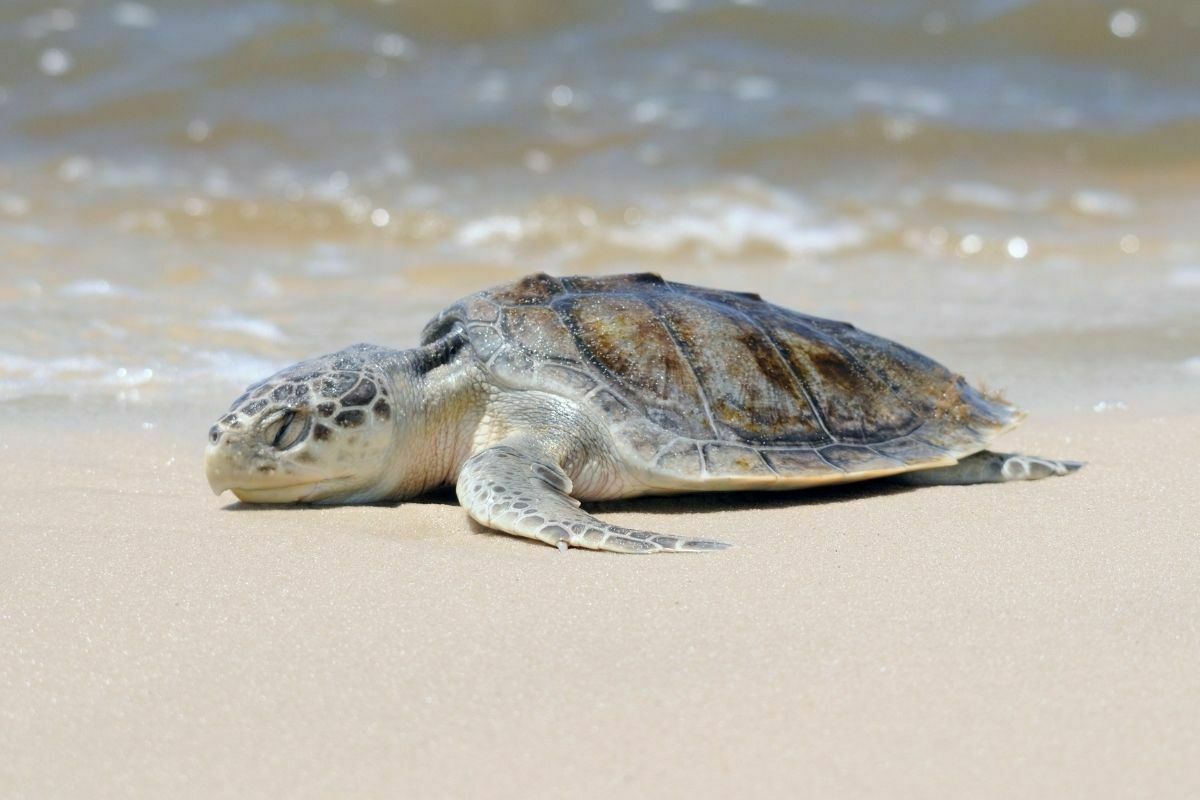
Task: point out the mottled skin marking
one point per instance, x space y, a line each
533 396
350 419
337 384
360 395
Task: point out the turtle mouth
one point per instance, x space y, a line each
291 493
267 483
313 490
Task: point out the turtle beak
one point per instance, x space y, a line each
242 467
216 469
226 463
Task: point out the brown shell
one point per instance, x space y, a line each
705 385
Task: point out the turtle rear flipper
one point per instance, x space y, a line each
988 467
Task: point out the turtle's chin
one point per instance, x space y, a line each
327 490
296 493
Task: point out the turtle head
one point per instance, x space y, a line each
321 431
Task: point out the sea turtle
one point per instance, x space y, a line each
532 396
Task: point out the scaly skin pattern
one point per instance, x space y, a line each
533 396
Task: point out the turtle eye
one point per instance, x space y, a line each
288 430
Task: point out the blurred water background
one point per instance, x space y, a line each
192 194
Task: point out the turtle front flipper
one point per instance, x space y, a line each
511 488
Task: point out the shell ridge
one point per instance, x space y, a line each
686 356
891 387
907 435
581 346
925 441
821 456
871 447
564 304
801 384
819 329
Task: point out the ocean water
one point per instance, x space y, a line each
193 194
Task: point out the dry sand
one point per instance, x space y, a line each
1027 640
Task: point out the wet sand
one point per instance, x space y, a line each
1027 640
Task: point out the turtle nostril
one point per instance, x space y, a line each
214 434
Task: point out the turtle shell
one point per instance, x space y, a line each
702 388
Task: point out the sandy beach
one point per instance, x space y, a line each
1022 640
194 196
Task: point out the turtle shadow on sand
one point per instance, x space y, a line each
439 497
436 498
714 502
694 503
